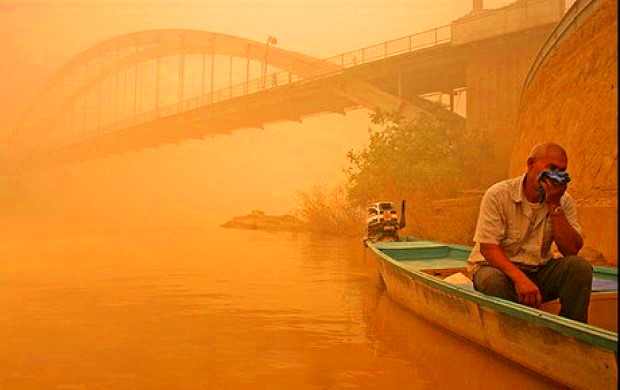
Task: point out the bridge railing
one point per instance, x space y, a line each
418 41
365 55
393 47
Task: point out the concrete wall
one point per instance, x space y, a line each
520 15
572 100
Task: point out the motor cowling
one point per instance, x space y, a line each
382 222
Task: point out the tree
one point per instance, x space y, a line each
423 158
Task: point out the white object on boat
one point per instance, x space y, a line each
460 279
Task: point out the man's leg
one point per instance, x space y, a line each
492 281
569 279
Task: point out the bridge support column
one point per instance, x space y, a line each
181 76
84 105
135 86
157 81
116 86
100 94
494 80
212 75
204 71
451 94
247 70
230 76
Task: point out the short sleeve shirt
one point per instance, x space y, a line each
523 233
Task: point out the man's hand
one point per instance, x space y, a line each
568 240
553 191
528 292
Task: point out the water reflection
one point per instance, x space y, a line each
442 359
195 308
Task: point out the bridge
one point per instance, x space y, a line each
150 88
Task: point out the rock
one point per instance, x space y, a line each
258 220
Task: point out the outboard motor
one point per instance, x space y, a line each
383 223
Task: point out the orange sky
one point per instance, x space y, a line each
248 169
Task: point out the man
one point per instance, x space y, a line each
518 221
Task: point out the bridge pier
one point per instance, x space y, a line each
500 47
494 80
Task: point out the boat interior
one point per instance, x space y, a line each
449 263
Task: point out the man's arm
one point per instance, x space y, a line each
527 291
567 239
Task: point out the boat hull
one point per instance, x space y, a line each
542 342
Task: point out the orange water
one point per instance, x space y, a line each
204 307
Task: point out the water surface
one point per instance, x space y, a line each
204 307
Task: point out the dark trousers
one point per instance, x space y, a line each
569 279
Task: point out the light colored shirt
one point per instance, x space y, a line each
520 228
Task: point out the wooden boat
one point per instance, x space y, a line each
577 355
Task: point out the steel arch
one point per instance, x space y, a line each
76 78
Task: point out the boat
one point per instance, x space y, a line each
430 279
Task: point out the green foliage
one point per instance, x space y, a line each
328 210
421 159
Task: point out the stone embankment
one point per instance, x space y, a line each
258 220
573 100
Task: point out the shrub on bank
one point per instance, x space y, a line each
327 209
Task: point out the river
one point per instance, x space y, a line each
202 307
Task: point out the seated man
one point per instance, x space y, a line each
518 221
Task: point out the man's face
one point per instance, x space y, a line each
553 161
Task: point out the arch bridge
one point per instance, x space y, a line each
149 88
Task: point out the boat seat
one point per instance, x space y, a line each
600 284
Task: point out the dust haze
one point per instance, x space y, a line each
195 181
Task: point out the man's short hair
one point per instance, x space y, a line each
541 150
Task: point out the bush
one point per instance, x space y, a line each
328 210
